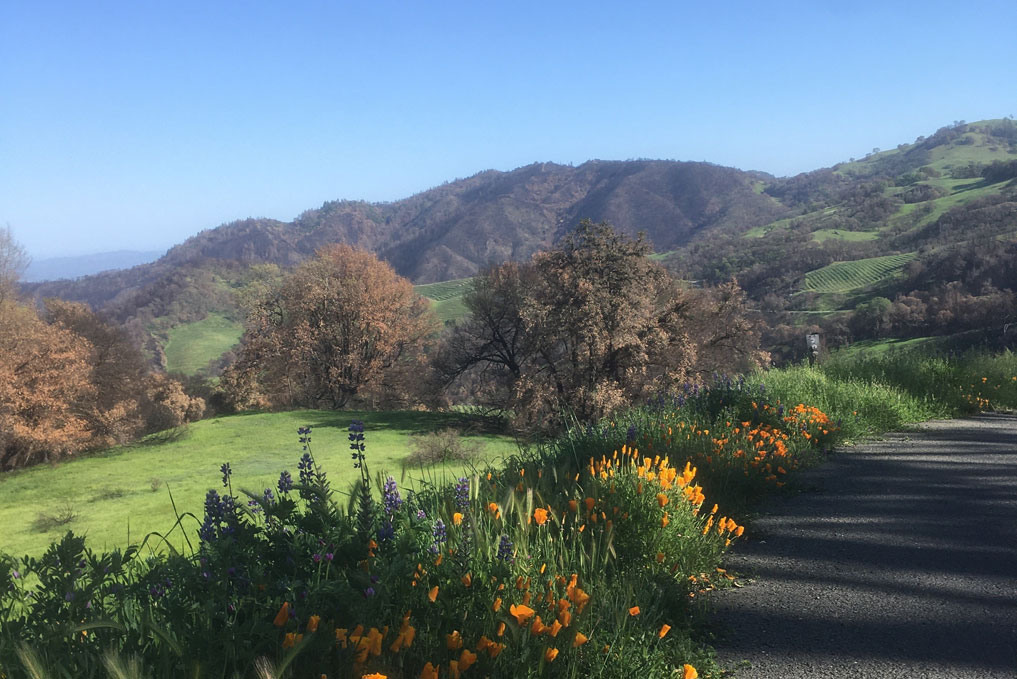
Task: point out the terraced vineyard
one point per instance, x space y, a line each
842 277
447 297
444 290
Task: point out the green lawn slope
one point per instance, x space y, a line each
128 488
189 347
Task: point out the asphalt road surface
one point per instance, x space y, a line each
901 561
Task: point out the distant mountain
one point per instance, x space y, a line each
453 230
56 268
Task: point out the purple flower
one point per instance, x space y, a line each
316 558
463 493
306 467
505 549
329 556
357 443
421 514
226 472
285 482
390 496
369 592
439 534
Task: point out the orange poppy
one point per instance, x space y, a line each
283 615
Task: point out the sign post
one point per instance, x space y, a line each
812 340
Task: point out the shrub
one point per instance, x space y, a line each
441 446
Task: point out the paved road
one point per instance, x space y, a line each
901 563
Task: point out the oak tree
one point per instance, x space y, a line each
342 326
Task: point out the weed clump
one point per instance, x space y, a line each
441 446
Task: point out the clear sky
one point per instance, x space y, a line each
136 124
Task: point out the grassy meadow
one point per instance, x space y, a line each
124 493
190 347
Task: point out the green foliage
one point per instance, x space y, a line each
604 534
517 570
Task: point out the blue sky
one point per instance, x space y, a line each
137 124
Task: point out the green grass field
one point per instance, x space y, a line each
191 346
843 277
127 486
821 235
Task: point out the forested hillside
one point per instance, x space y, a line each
921 204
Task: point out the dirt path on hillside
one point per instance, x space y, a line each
902 562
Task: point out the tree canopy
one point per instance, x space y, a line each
587 327
342 326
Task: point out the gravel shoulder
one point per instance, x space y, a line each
900 561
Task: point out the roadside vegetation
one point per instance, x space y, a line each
391 544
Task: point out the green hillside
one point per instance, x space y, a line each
190 347
844 277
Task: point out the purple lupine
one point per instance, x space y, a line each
463 493
440 535
306 468
357 445
505 547
285 482
390 496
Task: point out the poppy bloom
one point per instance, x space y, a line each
283 615
550 654
429 671
312 623
634 610
521 613
433 594
454 641
457 518
467 579
466 659
662 499
579 640
540 516
497 605
664 629
689 672
500 631
375 675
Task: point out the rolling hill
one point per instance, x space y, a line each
775 235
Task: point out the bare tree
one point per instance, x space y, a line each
13 261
